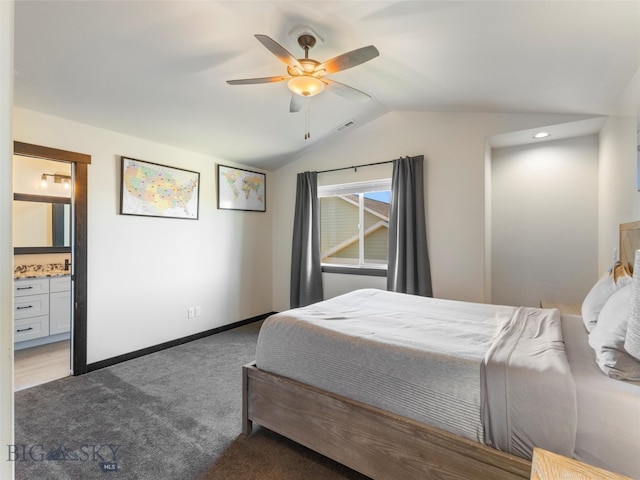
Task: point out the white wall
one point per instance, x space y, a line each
544 221
144 272
335 284
488 241
6 250
619 196
454 148
27 173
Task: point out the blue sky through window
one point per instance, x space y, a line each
380 196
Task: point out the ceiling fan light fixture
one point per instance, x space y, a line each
305 85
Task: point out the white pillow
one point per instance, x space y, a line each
607 338
616 278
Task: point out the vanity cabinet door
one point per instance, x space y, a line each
60 305
59 312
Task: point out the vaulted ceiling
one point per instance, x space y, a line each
158 69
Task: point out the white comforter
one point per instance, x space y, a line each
417 357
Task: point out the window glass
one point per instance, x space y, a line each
354 223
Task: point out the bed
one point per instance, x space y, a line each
375 417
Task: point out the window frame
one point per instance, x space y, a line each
356 188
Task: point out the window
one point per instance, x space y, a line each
354 224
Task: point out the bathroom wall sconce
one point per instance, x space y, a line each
64 180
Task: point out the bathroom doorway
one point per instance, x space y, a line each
42 228
50 270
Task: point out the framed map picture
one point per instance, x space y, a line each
154 190
240 189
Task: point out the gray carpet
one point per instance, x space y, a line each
265 455
174 414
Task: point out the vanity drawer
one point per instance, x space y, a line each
30 328
30 306
30 286
60 284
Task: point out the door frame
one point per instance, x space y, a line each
81 163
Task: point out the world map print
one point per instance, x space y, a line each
156 190
241 189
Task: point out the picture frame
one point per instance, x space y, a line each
152 190
240 189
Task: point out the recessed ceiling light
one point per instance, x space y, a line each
541 135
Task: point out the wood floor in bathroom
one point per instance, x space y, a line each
37 365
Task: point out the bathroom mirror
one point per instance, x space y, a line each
41 224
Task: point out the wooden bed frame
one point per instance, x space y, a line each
371 441
375 442
629 243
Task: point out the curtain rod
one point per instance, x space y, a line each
355 167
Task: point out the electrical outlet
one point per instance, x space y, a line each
198 311
191 312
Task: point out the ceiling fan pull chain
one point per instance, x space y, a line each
307 119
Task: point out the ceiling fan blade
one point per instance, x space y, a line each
297 102
346 91
279 51
250 81
349 59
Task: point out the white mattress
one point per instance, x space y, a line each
608 433
415 369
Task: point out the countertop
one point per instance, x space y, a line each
22 276
39 271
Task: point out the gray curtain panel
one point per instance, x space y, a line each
409 270
306 271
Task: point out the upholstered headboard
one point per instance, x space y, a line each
629 243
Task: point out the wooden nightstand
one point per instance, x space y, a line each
551 466
565 308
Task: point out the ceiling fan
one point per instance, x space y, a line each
306 76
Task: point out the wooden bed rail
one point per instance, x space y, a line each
369 440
